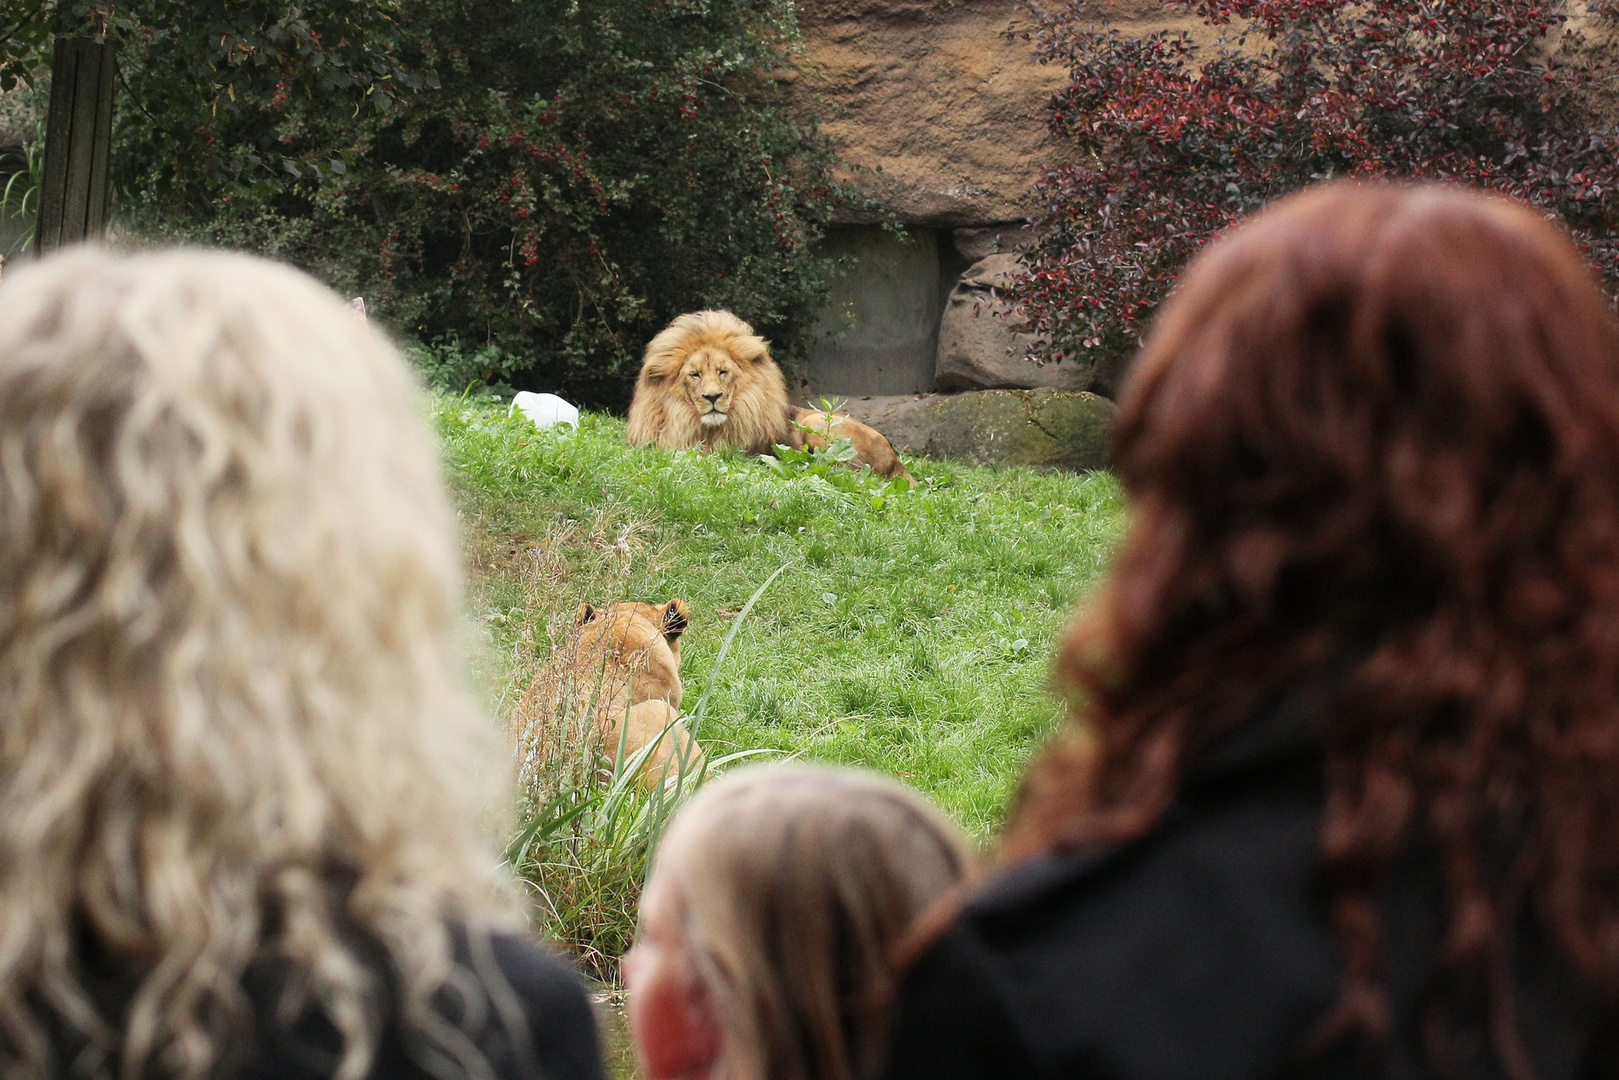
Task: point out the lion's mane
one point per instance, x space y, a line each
663 413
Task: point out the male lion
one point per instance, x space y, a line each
617 681
708 380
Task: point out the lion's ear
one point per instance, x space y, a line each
751 349
674 619
584 615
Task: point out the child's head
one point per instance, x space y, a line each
769 923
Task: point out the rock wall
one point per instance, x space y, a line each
880 333
940 110
935 100
1053 429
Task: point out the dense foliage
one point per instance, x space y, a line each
533 186
1175 139
193 66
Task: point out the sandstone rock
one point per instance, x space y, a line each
943 108
981 345
1049 428
915 90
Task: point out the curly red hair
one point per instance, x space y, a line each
1374 439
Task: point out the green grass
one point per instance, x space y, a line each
913 637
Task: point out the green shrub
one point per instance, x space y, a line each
564 178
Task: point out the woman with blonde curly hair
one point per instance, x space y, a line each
238 763
1345 796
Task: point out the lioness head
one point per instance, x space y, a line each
640 638
635 626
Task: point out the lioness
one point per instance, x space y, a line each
708 380
618 680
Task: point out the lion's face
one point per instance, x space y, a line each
710 378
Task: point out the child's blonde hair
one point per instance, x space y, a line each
795 885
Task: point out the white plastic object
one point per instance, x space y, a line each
544 409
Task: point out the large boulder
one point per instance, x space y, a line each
1049 428
879 332
940 105
981 343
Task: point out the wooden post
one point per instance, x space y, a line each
73 197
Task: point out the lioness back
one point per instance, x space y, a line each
817 428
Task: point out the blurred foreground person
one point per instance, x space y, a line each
238 765
1344 795
770 921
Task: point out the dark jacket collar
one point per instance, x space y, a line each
1289 729
1284 735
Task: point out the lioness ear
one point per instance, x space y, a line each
585 614
674 619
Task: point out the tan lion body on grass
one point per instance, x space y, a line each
708 380
617 680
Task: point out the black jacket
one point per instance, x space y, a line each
523 1009
509 1010
1200 951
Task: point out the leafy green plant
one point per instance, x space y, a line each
198 81
832 466
448 362
593 826
20 197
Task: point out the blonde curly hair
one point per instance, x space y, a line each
234 727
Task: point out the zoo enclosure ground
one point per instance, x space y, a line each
915 639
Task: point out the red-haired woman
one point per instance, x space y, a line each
1344 794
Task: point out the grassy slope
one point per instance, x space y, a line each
913 639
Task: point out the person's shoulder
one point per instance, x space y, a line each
536 991
1202 931
1033 884
536 973
958 1016
1253 837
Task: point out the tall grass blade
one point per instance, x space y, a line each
725 648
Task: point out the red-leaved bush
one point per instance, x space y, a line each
1175 140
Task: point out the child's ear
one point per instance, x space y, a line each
675 618
585 614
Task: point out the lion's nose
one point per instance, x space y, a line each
714 399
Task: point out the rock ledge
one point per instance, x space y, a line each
1057 429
